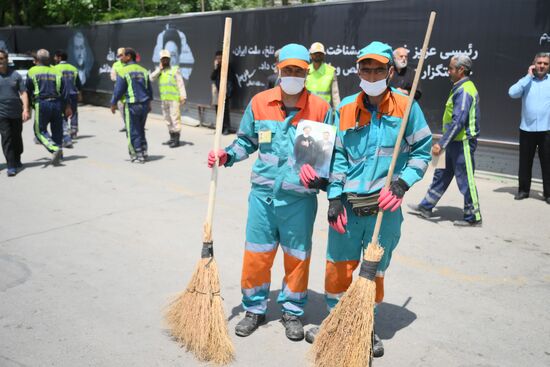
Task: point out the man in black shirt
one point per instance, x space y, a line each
403 77
14 109
215 77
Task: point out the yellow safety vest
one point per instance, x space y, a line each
319 82
168 85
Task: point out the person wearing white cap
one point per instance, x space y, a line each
321 77
172 95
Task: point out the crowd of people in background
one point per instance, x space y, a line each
53 89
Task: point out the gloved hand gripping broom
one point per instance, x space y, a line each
196 317
344 338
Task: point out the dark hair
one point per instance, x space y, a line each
131 52
219 53
4 52
171 35
61 54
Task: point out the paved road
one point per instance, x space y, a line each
90 253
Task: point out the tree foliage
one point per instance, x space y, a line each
38 13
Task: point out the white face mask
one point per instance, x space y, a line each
292 85
373 89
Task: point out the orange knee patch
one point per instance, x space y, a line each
296 273
379 289
257 268
338 275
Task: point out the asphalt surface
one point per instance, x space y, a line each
91 252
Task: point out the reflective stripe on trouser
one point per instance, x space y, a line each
344 252
172 115
267 226
459 163
48 113
71 125
136 115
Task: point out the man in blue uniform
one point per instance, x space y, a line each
72 82
50 96
459 140
133 83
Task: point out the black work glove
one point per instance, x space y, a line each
319 183
335 207
399 188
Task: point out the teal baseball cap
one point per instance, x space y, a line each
378 51
295 55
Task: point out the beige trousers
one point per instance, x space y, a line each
172 115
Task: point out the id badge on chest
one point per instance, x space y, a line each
264 137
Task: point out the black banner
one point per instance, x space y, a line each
501 37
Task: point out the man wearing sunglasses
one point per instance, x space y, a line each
367 124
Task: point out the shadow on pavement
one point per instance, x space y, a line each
442 214
513 190
315 310
84 137
153 158
391 318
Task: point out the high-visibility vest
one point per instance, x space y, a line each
46 81
168 85
70 73
118 65
136 76
472 125
319 82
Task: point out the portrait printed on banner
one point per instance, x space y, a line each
80 56
175 42
313 145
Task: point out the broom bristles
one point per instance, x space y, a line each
345 336
197 319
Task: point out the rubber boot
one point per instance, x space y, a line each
169 141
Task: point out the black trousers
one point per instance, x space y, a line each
12 143
528 144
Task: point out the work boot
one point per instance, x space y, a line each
465 223
140 157
57 156
175 140
377 346
420 210
249 323
521 195
294 329
12 171
169 141
311 334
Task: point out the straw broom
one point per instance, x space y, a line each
196 316
345 336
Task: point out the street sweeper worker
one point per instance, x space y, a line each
172 95
281 211
134 85
367 125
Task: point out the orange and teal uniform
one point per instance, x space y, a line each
365 140
281 211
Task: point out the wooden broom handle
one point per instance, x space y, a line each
397 147
207 235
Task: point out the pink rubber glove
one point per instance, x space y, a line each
222 156
337 216
388 201
307 175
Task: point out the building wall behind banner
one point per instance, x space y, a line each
501 36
